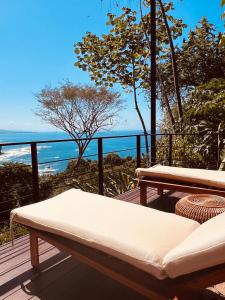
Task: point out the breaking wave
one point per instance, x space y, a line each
47 170
43 147
7 155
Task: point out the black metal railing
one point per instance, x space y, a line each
167 156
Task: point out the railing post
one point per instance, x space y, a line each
218 151
100 167
35 178
138 150
153 150
153 81
170 149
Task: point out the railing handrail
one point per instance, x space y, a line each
96 138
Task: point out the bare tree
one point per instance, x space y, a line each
80 111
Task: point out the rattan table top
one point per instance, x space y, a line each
200 207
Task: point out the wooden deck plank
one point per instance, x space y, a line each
17 242
22 257
55 270
19 269
85 283
62 277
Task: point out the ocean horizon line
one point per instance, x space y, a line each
5 131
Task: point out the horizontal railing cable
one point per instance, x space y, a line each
100 137
66 159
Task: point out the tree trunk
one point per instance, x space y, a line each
138 110
220 145
78 160
166 101
174 66
141 119
175 72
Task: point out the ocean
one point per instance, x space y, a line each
49 152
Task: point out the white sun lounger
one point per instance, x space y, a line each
158 254
180 179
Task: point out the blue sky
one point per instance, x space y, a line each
37 39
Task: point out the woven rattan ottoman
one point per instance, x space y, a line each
200 207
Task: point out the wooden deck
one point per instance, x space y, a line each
64 278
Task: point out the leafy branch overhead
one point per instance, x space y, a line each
200 51
122 56
207 103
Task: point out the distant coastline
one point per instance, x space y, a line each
5 131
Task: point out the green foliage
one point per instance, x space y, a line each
114 159
118 182
84 166
18 231
122 56
118 174
204 117
15 190
184 152
205 111
199 58
207 104
222 40
15 184
206 114
109 59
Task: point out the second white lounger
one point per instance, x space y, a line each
180 179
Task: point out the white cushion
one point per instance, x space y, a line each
203 248
138 235
212 178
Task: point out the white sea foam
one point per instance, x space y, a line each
7 155
47 170
43 147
